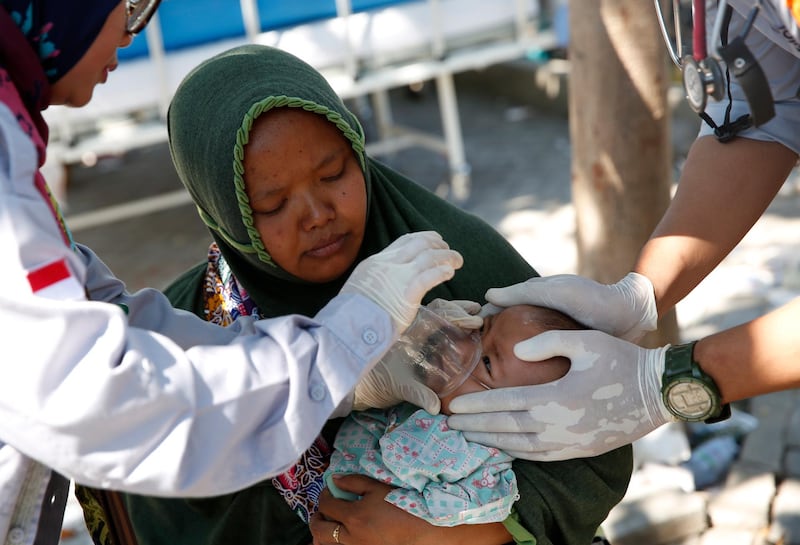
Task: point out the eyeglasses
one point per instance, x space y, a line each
139 14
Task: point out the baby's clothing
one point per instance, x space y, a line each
442 478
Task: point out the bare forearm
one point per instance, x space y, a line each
723 190
755 358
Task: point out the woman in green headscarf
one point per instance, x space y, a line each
276 166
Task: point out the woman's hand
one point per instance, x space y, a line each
373 521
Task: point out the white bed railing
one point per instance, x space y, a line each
362 54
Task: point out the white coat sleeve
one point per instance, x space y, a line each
156 401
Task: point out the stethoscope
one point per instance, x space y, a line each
704 75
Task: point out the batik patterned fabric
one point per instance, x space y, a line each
442 478
226 300
303 483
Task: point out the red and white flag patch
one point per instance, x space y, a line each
55 281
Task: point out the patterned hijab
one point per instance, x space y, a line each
210 119
59 32
40 40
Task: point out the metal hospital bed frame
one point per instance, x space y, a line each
362 54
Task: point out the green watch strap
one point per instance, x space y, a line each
680 361
724 414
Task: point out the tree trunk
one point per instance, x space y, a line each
620 133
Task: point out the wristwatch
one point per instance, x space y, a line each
689 393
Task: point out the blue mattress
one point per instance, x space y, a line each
185 23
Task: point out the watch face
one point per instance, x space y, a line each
690 400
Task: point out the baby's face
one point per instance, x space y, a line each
499 367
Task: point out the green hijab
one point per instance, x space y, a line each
209 122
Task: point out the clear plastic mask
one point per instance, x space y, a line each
437 352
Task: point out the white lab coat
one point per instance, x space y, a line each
125 392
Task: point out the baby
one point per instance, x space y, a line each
440 476
498 366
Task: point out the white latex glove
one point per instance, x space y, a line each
461 313
398 277
610 397
385 386
382 379
626 309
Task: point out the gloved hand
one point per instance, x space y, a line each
461 313
398 277
610 397
386 385
626 309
